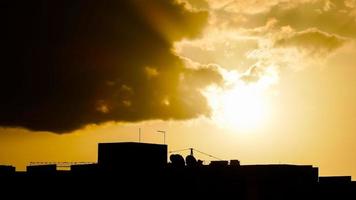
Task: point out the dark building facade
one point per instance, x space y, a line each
132 155
41 169
6 170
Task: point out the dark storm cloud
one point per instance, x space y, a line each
69 63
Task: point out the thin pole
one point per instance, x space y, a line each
139 135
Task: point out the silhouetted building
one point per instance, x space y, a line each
282 173
84 168
219 163
336 187
132 155
7 170
131 167
41 169
335 179
235 163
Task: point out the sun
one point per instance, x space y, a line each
240 105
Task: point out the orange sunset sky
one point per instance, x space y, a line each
262 81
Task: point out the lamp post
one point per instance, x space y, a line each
164 136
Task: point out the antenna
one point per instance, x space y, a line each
139 135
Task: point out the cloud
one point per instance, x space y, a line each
312 40
196 4
350 3
69 63
331 16
217 46
280 33
252 75
265 6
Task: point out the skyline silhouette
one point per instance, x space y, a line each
249 82
144 166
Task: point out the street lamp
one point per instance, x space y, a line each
164 136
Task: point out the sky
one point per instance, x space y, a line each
262 81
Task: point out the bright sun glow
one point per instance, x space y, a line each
240 105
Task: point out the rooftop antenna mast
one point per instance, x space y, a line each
139 135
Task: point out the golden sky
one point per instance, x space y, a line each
263 81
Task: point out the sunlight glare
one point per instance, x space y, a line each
240 105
